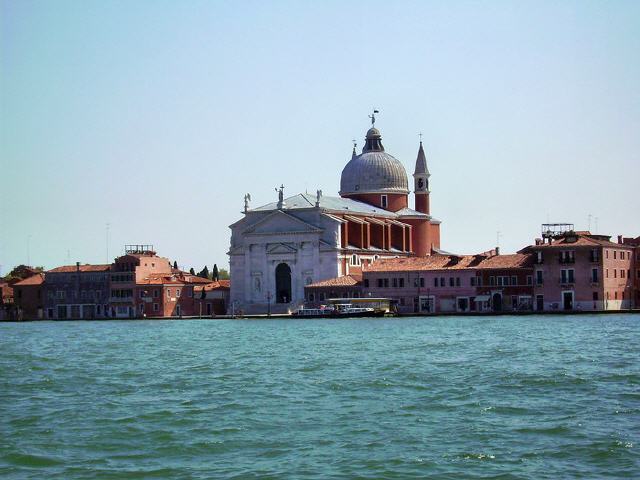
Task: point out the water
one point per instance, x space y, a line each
495 397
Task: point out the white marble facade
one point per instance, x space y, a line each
306 240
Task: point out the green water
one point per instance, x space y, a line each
494 397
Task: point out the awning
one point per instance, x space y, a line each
482 298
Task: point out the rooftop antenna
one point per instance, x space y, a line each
589 218
596 224
420 135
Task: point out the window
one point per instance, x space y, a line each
421 282
380 283
168 293
457 281
442 281
514 280
492 280
539 257
539 277
615 273
177 292
621 273
478 282
606 273
566 275
155 307
383 201
156 293
606 253
594 255
529 280
595 296
614 254
451 282
499 281
401 282
386 283
395 283
435 281
594 275
472 281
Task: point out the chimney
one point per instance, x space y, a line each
620 239
78 267
497 250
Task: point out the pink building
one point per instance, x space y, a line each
438 283
581 271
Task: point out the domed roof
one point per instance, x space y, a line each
374 170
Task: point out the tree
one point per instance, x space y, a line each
223 274
175 264
214 275
192 271
204 273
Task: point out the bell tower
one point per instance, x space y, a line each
421 181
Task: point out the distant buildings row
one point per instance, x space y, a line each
563 271
139 284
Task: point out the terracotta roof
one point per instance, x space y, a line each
344 281
161 279
83 268
219 285
36 279
449 262
580 241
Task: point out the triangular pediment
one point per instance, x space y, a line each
280 222
281 248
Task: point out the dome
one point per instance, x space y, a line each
374 172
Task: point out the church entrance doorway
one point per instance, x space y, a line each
283 283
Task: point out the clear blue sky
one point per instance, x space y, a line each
157 117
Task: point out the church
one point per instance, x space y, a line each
278 248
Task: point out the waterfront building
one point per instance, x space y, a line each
164 295
6 301
279 248
452 283
76 292
347 286
506 282
28 297
212 298
581 271
138 262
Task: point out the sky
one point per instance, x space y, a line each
156 117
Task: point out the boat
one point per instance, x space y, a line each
337 310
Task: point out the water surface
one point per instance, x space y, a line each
490 397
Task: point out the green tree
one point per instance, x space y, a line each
223 274
175 264
214 274
204 273
192 271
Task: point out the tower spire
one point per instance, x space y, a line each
421 181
